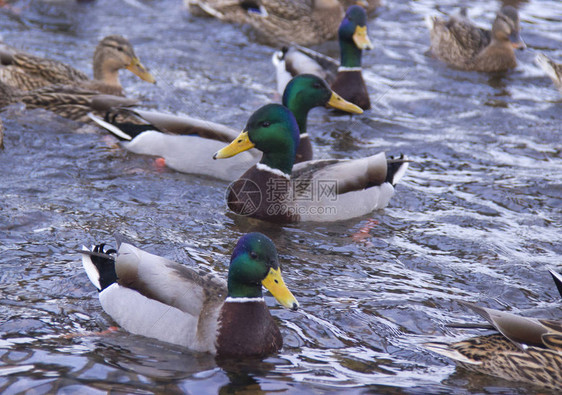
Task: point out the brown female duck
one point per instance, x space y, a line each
67 101
306 22
113 53
465 46
525 349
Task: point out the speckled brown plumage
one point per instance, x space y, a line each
499 357
304 22
28 72
67 101
247 329
465 46
526 349
552 69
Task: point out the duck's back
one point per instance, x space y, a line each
306 22
457 40
29 72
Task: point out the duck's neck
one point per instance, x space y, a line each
105 72
300 111
350 54
238 291
281 160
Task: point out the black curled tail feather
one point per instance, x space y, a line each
396 168
127 123
557 280
104 262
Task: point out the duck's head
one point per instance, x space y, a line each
353 28
306 91
273 130
255 263
114 53
506 27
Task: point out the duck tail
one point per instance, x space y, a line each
123 130
429 21
557 280
446 350
548 67
99 264
396 168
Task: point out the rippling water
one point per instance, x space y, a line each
477 217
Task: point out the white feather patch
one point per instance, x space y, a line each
263 167
90 269
429 21
243 300
111 128
400 173
343 68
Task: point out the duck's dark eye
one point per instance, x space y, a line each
121 49
265 124
316 85
253 255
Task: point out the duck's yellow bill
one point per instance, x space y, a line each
361 39
275 284
240 144
338 102
140 71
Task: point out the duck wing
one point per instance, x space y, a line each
521 331
468 36
167 281
349 175
184 125
46 71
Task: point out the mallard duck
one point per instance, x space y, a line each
551 68
27 72
323 190
188 144
525 349
465 46
346 79
152 296
66 101
306 22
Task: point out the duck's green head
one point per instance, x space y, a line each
274 131
255 263
506 27
353 36
306 91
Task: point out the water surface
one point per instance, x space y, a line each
476 218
